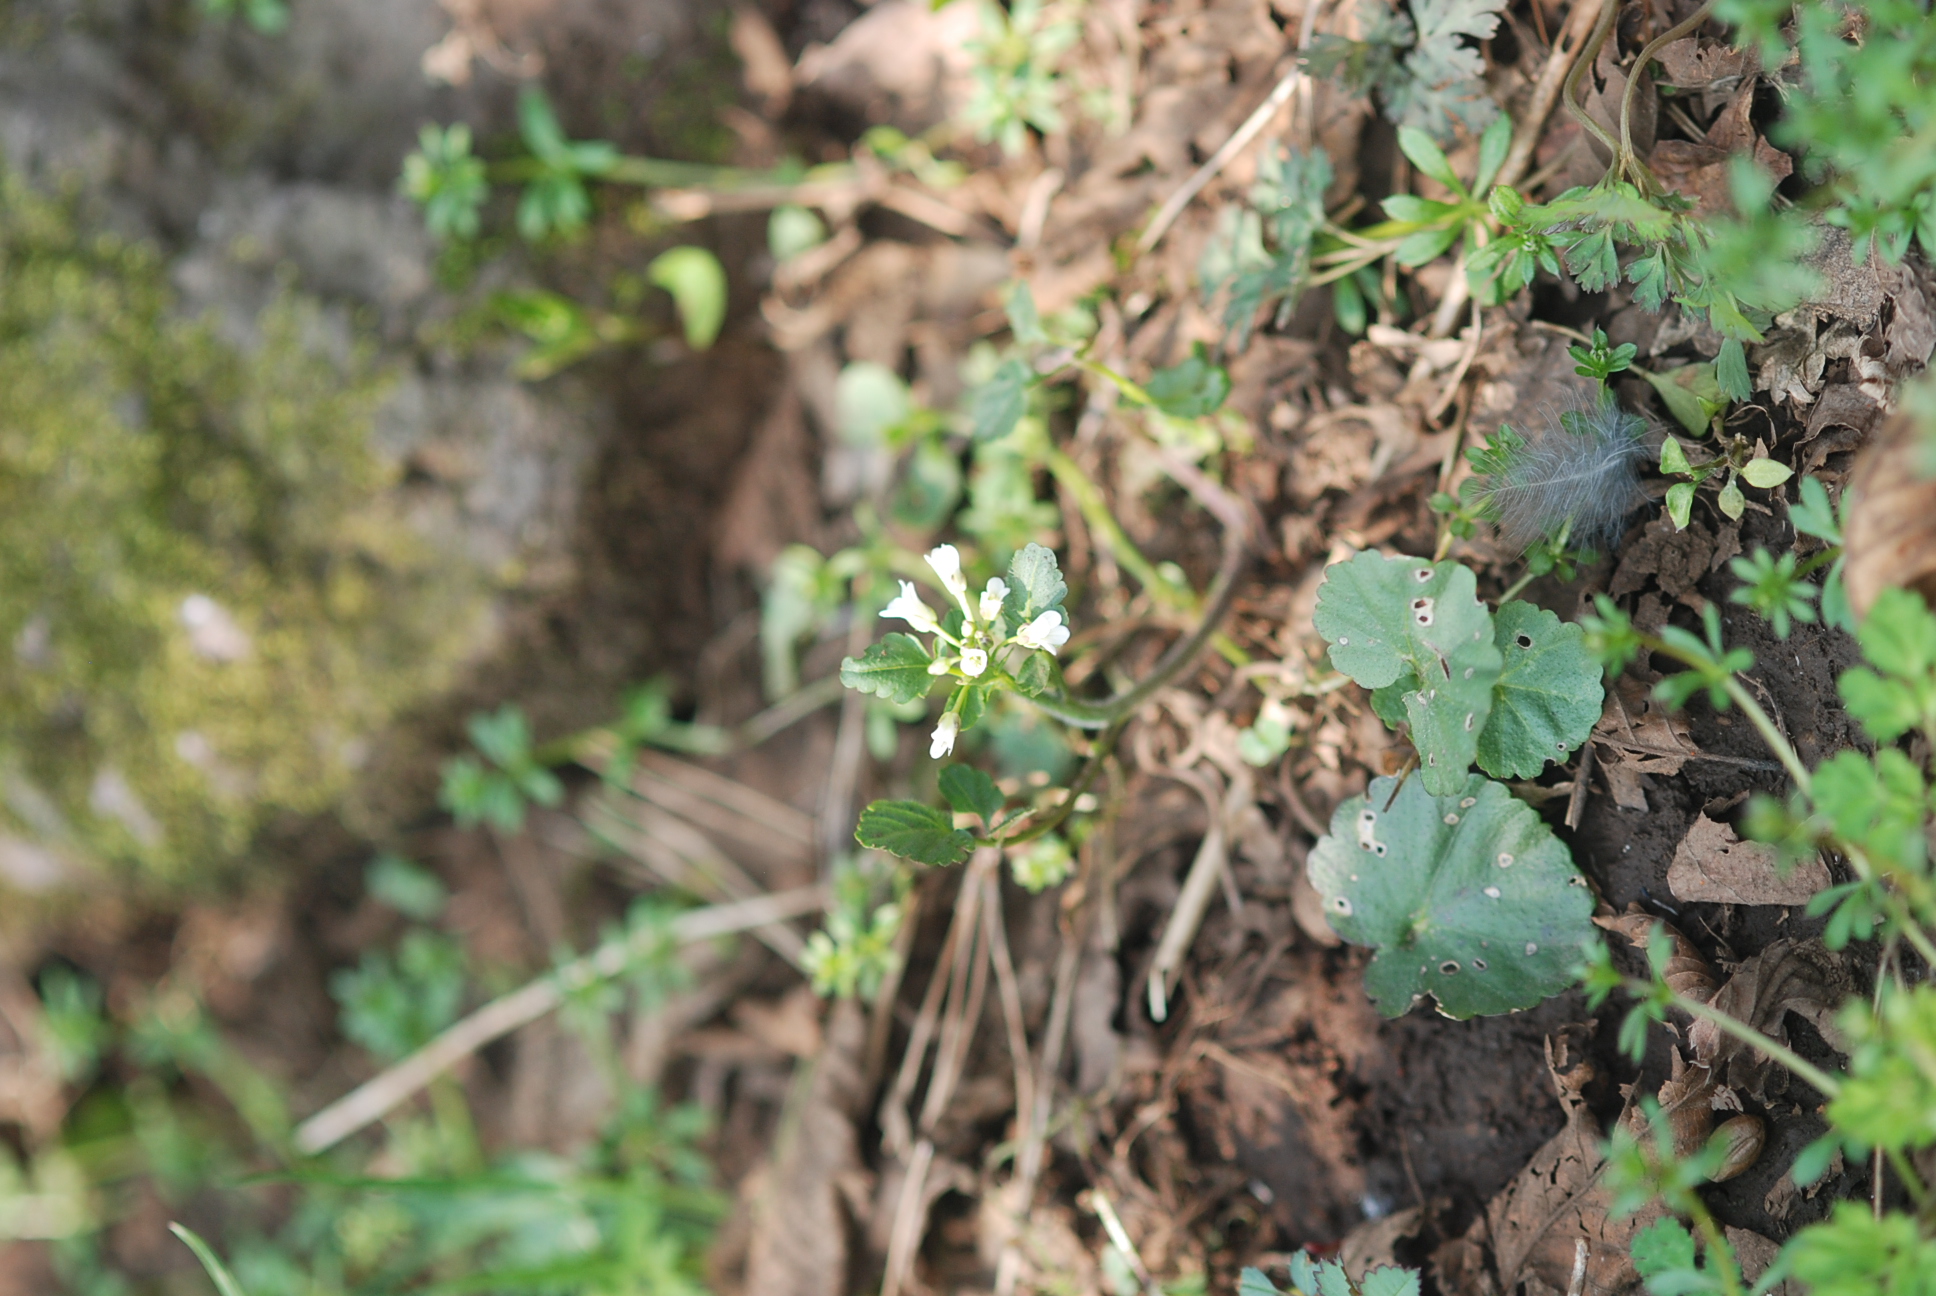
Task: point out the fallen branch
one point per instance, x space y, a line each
375 1099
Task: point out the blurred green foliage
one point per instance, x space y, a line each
208 602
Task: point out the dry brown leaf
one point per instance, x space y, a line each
1687 972
1713 864
1636 736
1374 1243
1802 977
1892 520
1559 1200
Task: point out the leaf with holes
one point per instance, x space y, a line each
1547 698
1388 617
1469 898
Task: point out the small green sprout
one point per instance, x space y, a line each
447 181
1601 362
1773 588
497 790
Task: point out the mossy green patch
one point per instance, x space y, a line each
209 603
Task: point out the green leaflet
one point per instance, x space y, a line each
1386 617
1548 695
914 831
1035 584
970 791
1467 898
895 669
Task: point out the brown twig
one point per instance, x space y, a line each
372 1101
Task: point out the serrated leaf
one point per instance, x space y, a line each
1384 617
895 669
913 831
1661 1247
1332 1279
1680 504
1548 696
1766 473
1033 676
1813 515
1388 703
1253 1282
1304 1272
1191 389
970 791
995 407
1467 898
1390 1280
970 702
1035 583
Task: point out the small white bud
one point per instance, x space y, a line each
909 608
1045 632
991 599
944 736
941 665
973 662
946 561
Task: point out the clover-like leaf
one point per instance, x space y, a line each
1547 698
1468 898
1390 1280
914 831
972 792
1385 617
895 669
1191 389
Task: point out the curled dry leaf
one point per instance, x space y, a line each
1892 523
1688 972
1802 977
1715 865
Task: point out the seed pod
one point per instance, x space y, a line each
1745 1135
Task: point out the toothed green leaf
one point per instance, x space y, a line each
914 831
970 791
1386 617
895 669
1548 695
1467 898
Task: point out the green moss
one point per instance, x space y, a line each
149 469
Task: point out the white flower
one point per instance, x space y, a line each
946 561
944 736
991 599
1046 631
941 665
973 662
912 610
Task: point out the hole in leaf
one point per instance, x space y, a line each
1448 967
1523 640
1479 964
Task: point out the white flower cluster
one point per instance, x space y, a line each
980 617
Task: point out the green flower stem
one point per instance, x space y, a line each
1738 694
1223 591
1784 751
1825 1084
1625 160
1720 1256
1912 1182
1109 533
1570 90
1105 743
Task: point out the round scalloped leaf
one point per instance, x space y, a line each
1470 898
1548 697
1387 618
